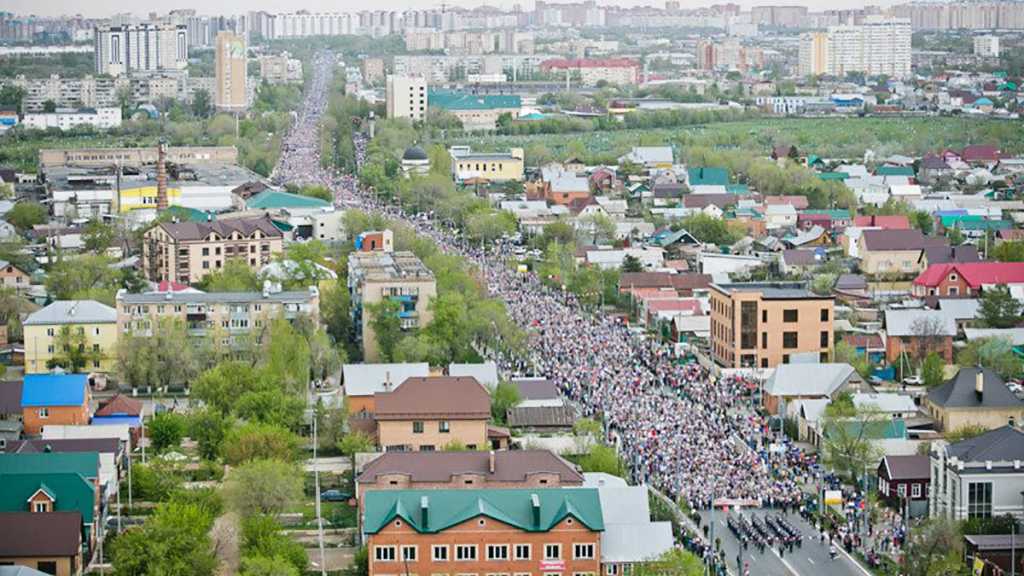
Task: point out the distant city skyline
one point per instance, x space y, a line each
104 8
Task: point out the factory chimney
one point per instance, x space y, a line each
161 175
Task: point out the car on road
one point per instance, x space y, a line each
334 495
912 380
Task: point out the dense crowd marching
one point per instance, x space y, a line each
678 428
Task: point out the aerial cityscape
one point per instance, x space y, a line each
530 289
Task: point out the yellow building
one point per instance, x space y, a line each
86 324
129 199
494 166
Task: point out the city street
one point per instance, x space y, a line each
810 559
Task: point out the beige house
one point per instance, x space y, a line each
187 251
233 313
397 276
895 252
762 324
420 414
974 397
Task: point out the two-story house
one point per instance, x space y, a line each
981 477
54 399
420 414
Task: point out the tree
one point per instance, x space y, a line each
602 458
87 276
999 309
930 332
923 221
25 214
174 541
72 350
286 359
956 237
98 236
331 424
235 276
166 430
320 192
849 438
934 548
632 264
599 226
709 230
995 353
675 562
49 106
262 538
386 325
267 566
208 428
932 371
264 487
201 103
220 387
354 443
1009 251
165 357
155 482
504 396
965 432
360 565
271 405
256 441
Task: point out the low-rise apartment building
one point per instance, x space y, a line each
232 313
491 166
187 251
760 325
397 276
535 531
85 323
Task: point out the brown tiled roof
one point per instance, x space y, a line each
509 465
913 467
541 417
120 405
454 398
688 281
868 341
899 240
10 397
184 231
36 534
705 200
104 445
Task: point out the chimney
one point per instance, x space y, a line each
490 461
387 381
161 175
424 509
535 501
979 383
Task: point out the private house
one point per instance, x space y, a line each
539 530
565 188
51 399
891 404
917 332
684 285
898 222
111 453
981 154
419 414
895 252
362 381
981 477
778 216
120 410
48 542
793 382
13 277
10 410
87 323
903 482
974 397
541 408
650 157
960 279
949 254
630 537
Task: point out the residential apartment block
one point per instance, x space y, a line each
542 530
231 71
232 313
66 119
187 251
88 323
761 325
397 276
491 166
141 48
621 71
880 45
406 97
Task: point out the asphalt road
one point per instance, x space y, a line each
810 559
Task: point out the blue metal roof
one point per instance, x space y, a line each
54 389
133 421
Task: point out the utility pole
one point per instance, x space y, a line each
319 518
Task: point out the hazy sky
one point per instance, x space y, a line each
99 8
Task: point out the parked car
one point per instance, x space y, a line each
334 495
912 380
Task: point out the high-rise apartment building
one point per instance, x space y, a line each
986 46
881 45
141 48
406 97
231 71
982 15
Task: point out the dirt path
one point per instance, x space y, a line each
226 535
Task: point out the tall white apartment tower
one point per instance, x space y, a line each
406 97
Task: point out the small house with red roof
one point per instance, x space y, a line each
981 154
966 278
896 222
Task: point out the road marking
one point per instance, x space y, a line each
811 560
785 562
864 570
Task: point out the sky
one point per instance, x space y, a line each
101 8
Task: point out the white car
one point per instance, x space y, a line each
912 380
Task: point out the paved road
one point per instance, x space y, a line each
811 559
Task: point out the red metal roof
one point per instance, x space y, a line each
974 273
883 222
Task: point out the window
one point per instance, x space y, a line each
523 551
47 566
43 412
443 427
583 551
497 552
465 552
764 315
39 507
426 447
764 339
49 331
915 490
901 489
824 314
824 338
417 427
439 553
979 500
552 551
409 553
384 553
206 251
789 340
790 316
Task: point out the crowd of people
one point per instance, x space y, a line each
678 428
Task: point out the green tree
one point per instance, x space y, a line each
256 441
386 325
220 387
923 221
587 427
201 103
320 192
25 214
98 236
965 432
267 487
995 353
932 371
1009 251
271 406
155 482
235 276
599 227
847 354
632 264
331 423
208 428
87 276
267 566
998 308
174 541
934 548
504 396
709 230
602 458
675 562
164 357
286 358
166 430
360 565
956 237
849 438
49 106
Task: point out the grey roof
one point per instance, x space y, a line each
914 322
620 504
960 308
959 391
947 254
772 290
909 467
1004 444
20 571
851 282
415 153
1014 335
541 417
885 402
10 397
536 388
800 257
899 240
808 379
652 154
368 379
73 312
813 408
630 543
187 297
485 373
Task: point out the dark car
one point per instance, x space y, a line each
333 495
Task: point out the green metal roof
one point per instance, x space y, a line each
895 171
455 100
875 430
741 189
85 463
447 508
833 175
701 176
71 492
835 214
275 199
985 225
185 214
